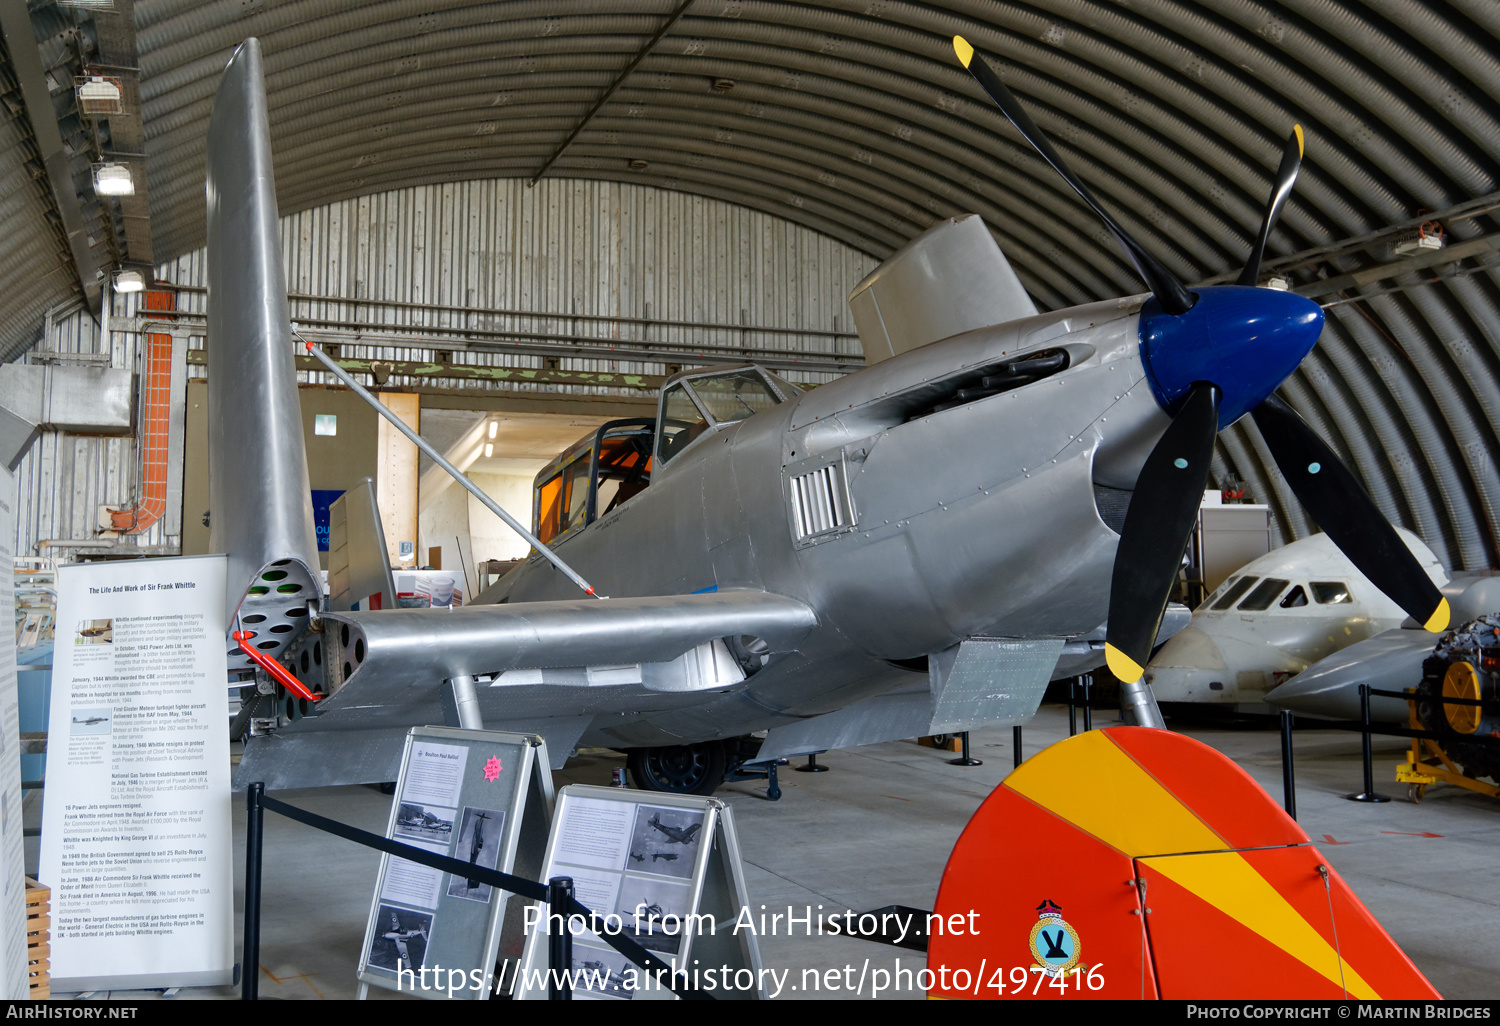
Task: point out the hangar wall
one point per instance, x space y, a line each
572 266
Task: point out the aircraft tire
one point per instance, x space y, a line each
678 769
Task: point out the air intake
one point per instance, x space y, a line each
820 503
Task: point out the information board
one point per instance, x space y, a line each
136 830
662 869
480 796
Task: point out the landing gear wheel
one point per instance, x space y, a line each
1414 792
679 769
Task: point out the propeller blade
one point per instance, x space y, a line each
1344 510
1158 523
1286 177
1169 292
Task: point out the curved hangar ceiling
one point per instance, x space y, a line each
854 118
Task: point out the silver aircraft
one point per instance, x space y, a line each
915 548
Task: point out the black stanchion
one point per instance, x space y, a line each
1088 712
1368 794
250 958
963 759
559 941
1072 706
811 766
1288 780
1015 743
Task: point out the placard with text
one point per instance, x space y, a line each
136 829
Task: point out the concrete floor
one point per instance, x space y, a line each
878 828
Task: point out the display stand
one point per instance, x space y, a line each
477 795
137 836
663 867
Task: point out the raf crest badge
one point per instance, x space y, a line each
1054 943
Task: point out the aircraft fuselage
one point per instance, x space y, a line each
979 520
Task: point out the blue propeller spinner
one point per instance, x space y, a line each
1245 340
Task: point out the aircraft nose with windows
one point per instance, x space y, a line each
1270 621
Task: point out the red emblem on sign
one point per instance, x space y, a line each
492 769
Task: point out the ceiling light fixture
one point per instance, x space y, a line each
113 180
99 95
129 281
494 427
489 449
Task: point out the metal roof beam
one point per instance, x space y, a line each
1420 261
20 43
666 27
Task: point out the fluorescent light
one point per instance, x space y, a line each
494 427
489 449
129 281
113 180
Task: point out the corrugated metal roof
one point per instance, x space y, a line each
852 118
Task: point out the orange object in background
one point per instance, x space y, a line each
156 422
1134 863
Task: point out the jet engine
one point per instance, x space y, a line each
1465 664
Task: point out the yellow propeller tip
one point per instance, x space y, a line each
963 49
1122 666
1301 144
1438 621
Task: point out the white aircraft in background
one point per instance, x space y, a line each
1272 619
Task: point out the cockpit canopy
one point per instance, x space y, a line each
611 465
600 471
697 402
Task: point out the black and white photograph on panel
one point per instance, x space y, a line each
425 822
664 841
93 720
654 911
478 845
401 939
602 973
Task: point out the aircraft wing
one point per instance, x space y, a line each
379 656
1329 688
547 668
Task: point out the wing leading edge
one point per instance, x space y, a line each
377 656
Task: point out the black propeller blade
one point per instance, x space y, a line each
1158 523
1169 292
1286 177
1334 498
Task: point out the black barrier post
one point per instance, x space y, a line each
255 817
1368 794
1015 743
1072 707
1088 712
963 759
811 766
1288 780
559 939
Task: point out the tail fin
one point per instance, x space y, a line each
261 503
